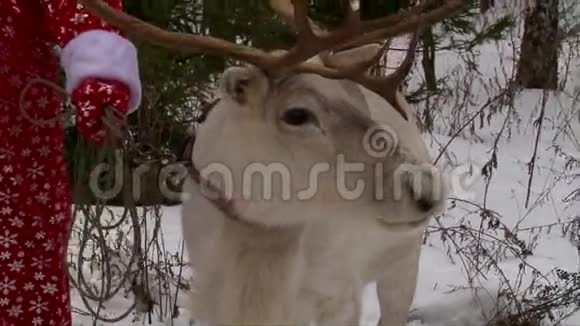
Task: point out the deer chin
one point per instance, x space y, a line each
413 224
268 213
409 216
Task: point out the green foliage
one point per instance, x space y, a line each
464 25
153 11
247 22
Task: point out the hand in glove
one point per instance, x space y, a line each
91 98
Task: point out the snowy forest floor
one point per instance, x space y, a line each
450 269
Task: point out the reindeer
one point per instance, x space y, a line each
298 249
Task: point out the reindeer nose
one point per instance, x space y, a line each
426 189
425 204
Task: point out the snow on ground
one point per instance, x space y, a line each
435 302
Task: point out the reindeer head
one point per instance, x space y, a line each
294 135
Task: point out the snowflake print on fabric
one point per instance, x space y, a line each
8 239
35 194
15 311
7 285
16 266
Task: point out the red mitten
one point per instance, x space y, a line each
90 100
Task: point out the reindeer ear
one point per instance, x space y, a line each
245 85
355 55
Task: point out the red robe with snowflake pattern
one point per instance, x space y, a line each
35 198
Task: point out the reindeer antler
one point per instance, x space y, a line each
311 40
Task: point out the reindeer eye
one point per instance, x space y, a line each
298 116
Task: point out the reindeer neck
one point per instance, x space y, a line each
262 274
263 238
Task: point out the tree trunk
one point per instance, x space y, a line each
485 5
428 61
538 65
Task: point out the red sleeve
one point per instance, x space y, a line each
91 49
65 19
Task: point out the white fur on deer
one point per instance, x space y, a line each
298 261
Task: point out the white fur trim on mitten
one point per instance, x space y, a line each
102 54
